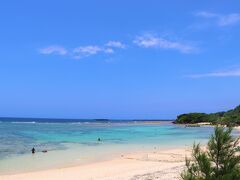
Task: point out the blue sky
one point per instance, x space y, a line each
118 59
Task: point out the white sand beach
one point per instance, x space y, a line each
156 164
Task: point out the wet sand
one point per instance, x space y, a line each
161 164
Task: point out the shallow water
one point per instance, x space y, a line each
70 143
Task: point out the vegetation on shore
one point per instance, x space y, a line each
219 162
229 118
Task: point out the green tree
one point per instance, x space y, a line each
191 118
229 118
219 162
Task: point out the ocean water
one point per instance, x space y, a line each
71 142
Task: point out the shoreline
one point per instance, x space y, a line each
74 156
157 162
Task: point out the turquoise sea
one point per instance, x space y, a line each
71 142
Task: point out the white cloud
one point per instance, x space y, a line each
151 41
59 50
115 44
85 51
221 20
109 50
226 73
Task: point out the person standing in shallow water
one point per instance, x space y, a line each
33 150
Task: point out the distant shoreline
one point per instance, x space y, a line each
56 120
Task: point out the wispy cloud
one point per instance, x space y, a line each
115 44
206 14
83 51
226 73
221 20
54 49
153 41
229 19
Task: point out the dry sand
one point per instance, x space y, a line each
156 164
